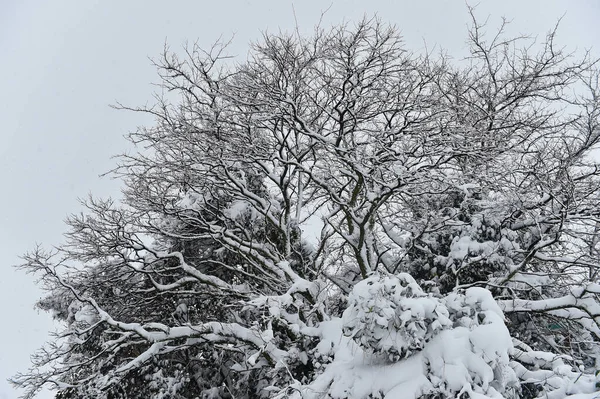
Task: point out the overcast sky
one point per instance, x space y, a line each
62 63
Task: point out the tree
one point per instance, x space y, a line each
457 206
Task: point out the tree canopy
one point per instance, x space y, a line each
339 217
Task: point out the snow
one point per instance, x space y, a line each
396 341
464 246
86 314
237 209
393 315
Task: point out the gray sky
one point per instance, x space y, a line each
63 62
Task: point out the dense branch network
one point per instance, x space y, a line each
327 194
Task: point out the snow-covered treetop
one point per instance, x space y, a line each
338 217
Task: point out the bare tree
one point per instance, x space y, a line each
204 280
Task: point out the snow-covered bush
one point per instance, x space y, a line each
391 314
453 345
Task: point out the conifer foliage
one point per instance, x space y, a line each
339 217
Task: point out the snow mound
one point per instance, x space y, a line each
392 315
396 341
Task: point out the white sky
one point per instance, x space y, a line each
63 62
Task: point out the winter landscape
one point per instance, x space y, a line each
338 215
